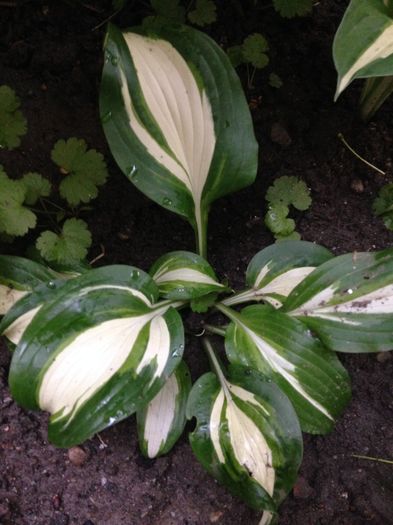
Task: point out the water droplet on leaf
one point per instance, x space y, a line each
166 201
51 285
106 117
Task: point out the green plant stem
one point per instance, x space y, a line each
370 458
375 91
241 297
341 137
216 330
201 234
215 364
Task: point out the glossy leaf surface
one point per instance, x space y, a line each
247 435
96 352
176 119
162 421
363 45
348 302
286 352
276 270
184 275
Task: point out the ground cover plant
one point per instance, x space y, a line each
248 224
120 345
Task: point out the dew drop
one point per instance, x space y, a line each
114 60
166 201
51 285
132 171
135 274
107 116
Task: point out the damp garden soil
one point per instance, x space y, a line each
51 56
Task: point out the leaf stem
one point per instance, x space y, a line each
370 458
216 366
216 330
341 137
240 297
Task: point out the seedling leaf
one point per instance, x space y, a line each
12 122
36 186
202 304
15 219
204 13
85 170
170 10
276 220
254 48
383 205
235 54
289 190
68 247
275 81
292 8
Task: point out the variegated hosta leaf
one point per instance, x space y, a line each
247 435
276 270
363 45
285 351
16 320
162 421
18 277
184 275
96 352
176 119
348 302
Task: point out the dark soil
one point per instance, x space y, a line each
52 58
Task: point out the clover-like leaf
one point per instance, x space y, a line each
277 221
84 169
15 219
292 8
36 186
12 122
383 205
289 190
254 50
205 13
68 247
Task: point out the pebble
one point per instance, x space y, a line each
382 357
77 456
302 489
216 516
280 135
357 186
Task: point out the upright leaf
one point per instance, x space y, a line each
247 435
363 45
162 421
348 302
285 351
96 352
176 119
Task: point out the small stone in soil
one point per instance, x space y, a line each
77 456
280 135
357 186
216 516
382 357
302 489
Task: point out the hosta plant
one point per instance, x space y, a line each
93 348
363 48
